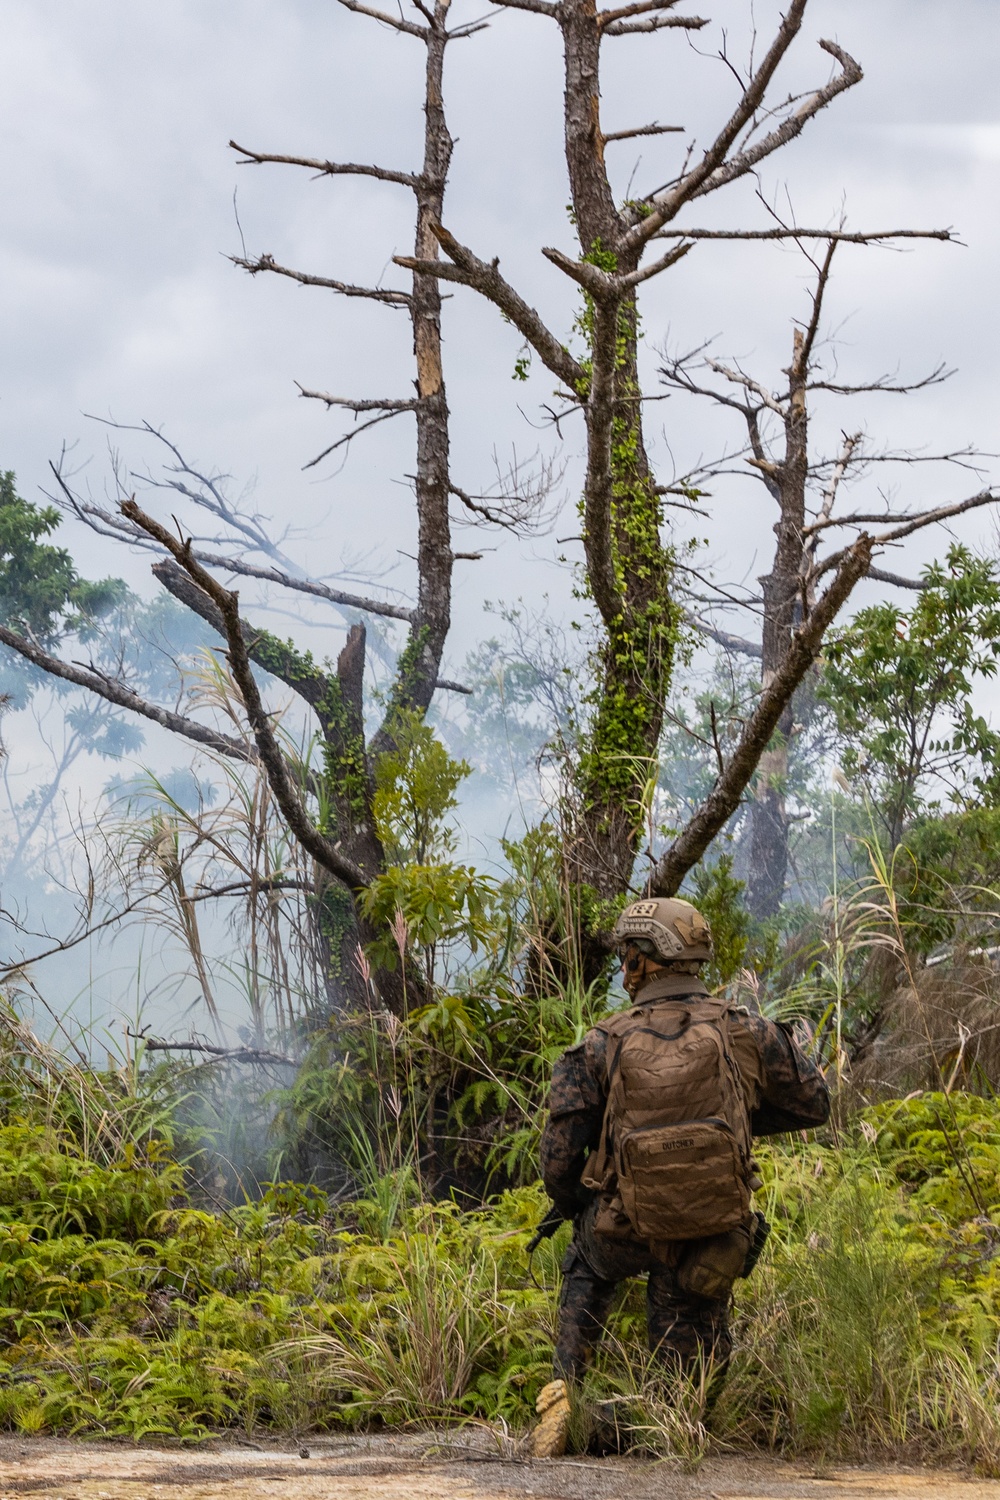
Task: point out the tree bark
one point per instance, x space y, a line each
782 594
628 566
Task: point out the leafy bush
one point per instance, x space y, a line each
871 1324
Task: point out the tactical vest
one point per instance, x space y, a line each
674 1157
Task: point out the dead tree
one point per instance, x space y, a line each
347 851
629 560
805 490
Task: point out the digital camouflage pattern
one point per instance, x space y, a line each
682 1329
784 1091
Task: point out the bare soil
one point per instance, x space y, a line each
424 1468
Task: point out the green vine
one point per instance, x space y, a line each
345 765
633 664
344 783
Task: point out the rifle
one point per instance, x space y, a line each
545 1230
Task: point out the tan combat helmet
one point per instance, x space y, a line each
674 928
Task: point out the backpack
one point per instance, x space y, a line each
675 1143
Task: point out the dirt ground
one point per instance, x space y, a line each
427 1469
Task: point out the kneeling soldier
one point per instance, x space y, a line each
647 1150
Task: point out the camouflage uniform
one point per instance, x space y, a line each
784 1091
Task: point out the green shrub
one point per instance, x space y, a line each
870 1326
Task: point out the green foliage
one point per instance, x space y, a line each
345 789
948 875
439 903
871 1323
634 659
717 894
461 1083
41 593
423 904
415 785
900 687
47 1183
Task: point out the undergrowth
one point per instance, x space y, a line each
870 1326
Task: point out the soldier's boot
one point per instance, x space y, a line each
549 1438
614 1425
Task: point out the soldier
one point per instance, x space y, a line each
647 1150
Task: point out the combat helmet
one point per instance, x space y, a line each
675 929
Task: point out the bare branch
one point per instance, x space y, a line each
325 853
848 237
540 7
908 524
468 270
807 563
348 437
357 406
713 170
224 1054
386 409
468 29
325 168
654 129
493 515
208 493
113 691
517 502
667 205
454 687
396 22
638 8
793 126
593 280
644 273
737 377
724 798
851 441
274 656
940 513
107 524
374 294
729 642
916 523
885 384
84 932
803 355
655 23
259 886
880 576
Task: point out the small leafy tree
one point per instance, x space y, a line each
900 687
41 593
424 902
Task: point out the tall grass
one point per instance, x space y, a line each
844 1345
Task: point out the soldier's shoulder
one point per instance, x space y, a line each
765 1035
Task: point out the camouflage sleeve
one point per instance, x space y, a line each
573 1129
793 1092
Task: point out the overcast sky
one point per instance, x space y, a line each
116 297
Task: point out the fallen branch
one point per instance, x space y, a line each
227 1054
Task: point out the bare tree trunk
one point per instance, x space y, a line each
782 595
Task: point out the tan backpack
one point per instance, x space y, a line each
675 1146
